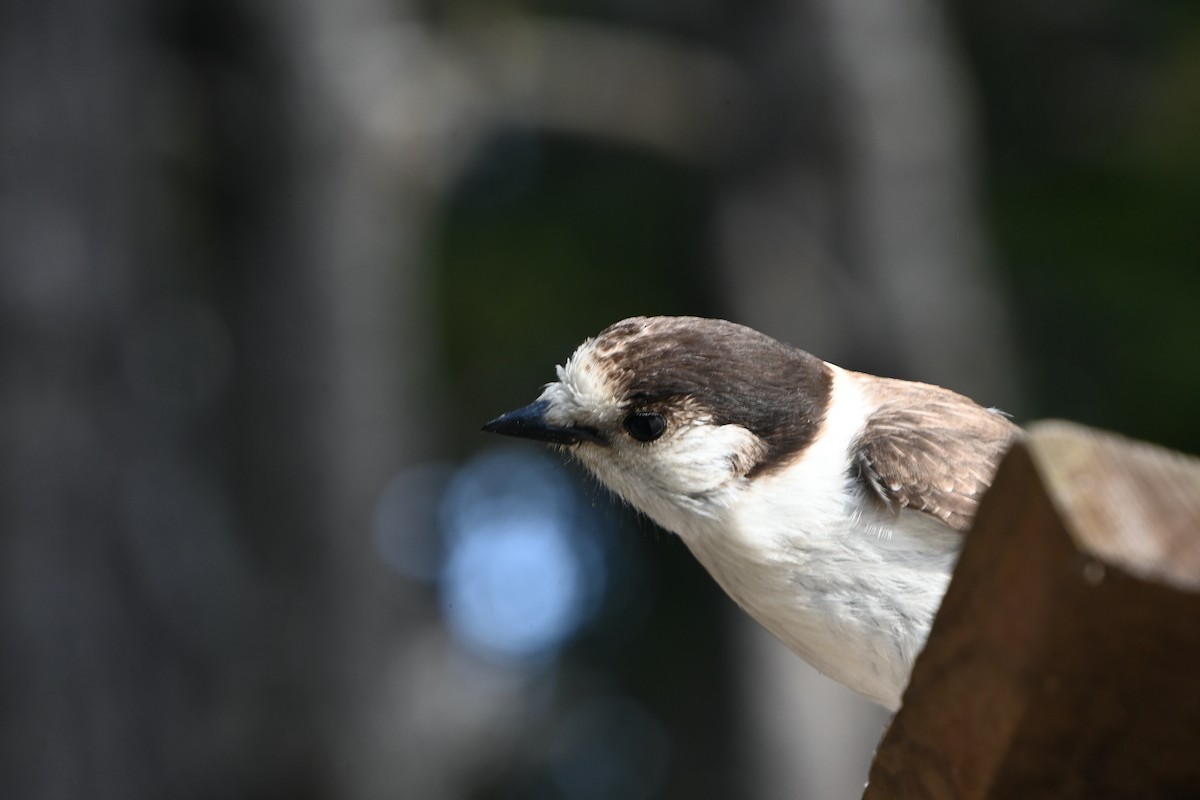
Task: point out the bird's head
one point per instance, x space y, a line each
671 413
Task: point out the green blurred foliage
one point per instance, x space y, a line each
547 242
1092 129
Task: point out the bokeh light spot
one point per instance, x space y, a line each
523 572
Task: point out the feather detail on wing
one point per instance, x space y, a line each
931 450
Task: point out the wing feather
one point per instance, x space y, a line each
931 450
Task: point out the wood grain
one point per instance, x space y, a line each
1065 660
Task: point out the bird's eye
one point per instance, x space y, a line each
645 426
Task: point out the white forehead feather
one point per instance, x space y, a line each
585 389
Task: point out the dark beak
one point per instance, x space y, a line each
530 423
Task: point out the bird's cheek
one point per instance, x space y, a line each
708 459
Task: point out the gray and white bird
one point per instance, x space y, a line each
829 504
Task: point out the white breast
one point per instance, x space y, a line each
849 586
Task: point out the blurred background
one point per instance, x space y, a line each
266 267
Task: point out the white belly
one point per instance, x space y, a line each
857 604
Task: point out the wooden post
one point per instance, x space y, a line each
1065 659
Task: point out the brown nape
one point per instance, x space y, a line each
734 373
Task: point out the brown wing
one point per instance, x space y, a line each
933 451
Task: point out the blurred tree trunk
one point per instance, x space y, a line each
207 361
854 229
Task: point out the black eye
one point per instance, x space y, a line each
645 426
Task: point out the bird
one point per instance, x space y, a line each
829 504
